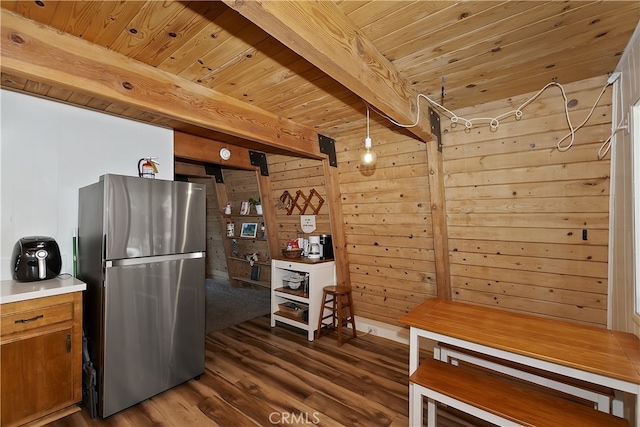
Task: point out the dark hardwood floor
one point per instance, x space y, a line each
262 376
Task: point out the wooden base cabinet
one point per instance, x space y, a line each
40 359
289 305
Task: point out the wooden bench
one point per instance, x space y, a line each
496 399
603 398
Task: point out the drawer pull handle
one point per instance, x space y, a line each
32 319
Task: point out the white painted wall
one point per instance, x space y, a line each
624 223
48 151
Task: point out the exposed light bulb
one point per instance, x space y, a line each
368 157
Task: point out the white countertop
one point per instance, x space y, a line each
14 291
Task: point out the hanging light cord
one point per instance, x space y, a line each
494 122
367 105
606 146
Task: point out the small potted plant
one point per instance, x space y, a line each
256 204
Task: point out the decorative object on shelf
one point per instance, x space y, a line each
292 253
249 229
308 223
252 258
300 206
285 201
295 309
302 202
313 194
227 209
235 251
244 208
256 205
263 231
255 272
293 250
230 229
303 244
293 281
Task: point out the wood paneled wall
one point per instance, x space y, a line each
216 262
518 209
387 219
294 174
240 185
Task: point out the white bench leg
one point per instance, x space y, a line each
604 404
431 413
416 414
418 392
617 406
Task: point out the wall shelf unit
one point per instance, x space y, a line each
244 260
247 281
320 273
241 270
238 187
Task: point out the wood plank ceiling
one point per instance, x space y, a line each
385 52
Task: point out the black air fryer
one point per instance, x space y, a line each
36 258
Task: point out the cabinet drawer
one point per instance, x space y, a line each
27 320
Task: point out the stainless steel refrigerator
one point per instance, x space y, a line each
141 251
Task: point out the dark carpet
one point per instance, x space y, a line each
227 306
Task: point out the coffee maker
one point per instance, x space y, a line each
326 246
314 251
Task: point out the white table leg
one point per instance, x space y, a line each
414 350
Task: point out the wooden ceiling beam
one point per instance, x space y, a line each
40 53
322 34
192 147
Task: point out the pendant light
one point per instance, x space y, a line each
368 157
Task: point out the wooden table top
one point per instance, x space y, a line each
588 348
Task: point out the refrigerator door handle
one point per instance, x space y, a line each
158 258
